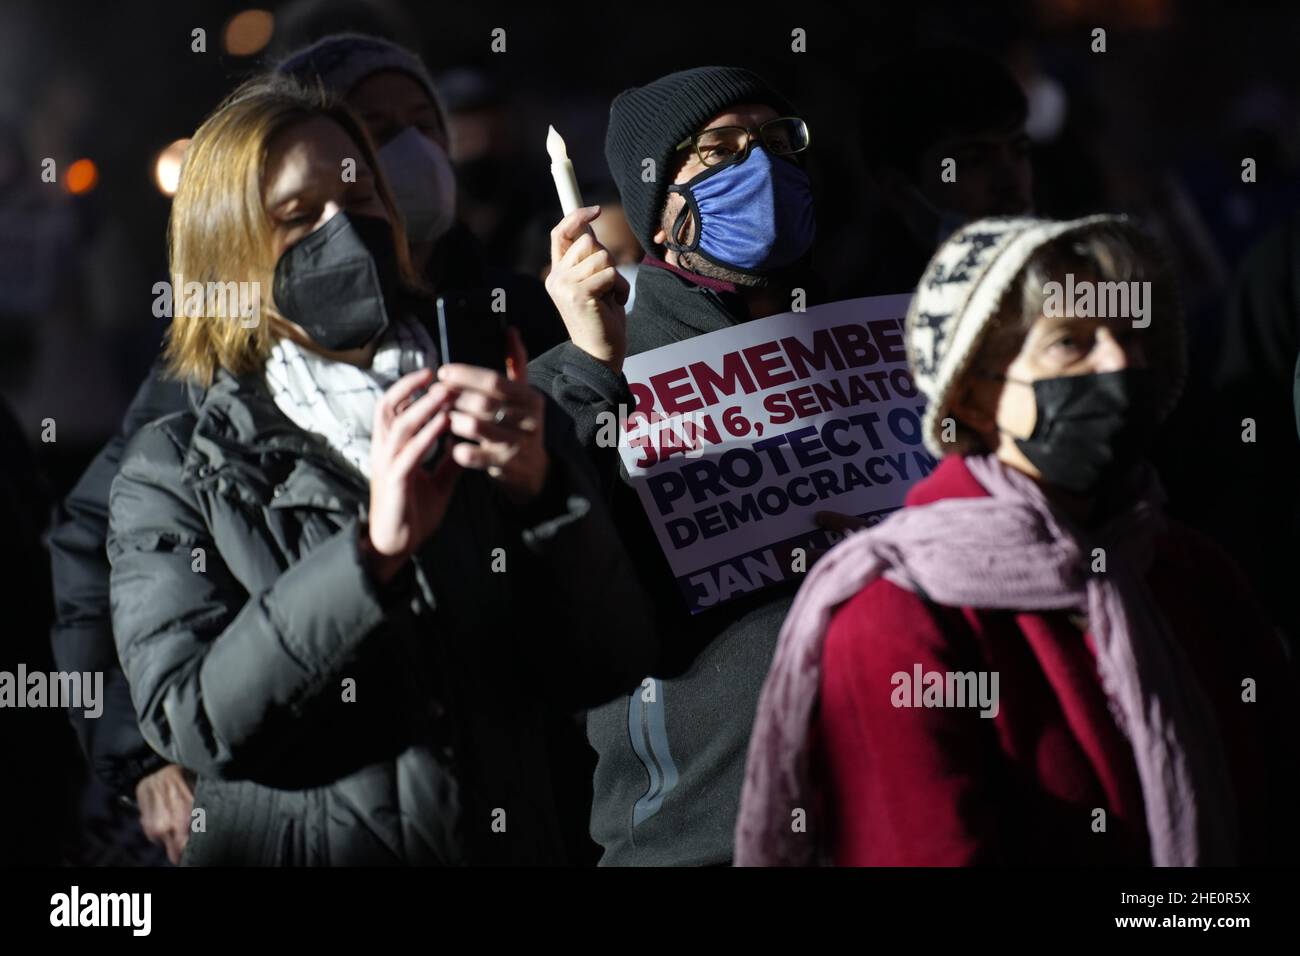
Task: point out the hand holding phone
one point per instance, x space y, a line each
471 333
496 415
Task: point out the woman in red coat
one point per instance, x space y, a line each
1029 664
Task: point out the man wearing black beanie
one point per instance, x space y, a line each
709 167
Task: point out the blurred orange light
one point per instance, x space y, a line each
81 177
167 167
248 32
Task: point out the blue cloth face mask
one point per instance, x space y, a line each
754 216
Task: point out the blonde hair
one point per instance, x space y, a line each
219 233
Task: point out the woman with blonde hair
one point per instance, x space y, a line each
323 577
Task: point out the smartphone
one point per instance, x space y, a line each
470 332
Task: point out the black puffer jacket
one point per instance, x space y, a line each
242 612
82 635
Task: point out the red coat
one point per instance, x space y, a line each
944 786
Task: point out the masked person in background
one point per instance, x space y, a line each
346 673
1028 664
726 224
920 111
390 89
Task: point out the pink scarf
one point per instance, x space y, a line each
1012 551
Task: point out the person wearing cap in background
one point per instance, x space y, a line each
709 164
390 89
918 111
1028 663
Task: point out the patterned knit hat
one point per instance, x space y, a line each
343 60
647 122
962 290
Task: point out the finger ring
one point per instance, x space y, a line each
500 415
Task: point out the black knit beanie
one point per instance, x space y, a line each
646 122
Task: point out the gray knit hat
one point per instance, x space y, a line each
962 290
647 122
343 60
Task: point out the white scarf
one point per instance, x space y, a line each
336 400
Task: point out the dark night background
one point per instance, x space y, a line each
1156 126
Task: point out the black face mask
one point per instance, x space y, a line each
1090 428
341 283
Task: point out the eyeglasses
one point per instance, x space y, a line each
720 145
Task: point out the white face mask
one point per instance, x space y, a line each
423 184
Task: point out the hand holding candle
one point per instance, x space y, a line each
583 283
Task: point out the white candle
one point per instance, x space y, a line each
566 181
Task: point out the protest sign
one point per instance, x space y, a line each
739 437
